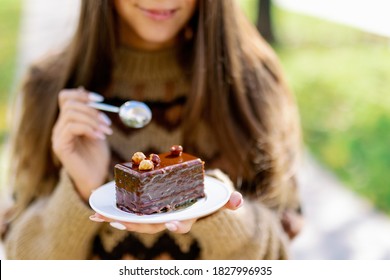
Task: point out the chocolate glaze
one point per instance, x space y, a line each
166 160
175 181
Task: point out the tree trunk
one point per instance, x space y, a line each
264 20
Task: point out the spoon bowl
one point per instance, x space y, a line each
133 114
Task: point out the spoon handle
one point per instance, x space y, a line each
104 107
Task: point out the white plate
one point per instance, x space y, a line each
103 202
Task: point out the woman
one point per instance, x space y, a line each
213 85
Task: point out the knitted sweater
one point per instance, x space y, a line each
57 226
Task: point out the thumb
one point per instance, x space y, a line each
235 201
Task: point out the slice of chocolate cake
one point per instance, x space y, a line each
162 183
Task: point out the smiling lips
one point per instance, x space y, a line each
159 15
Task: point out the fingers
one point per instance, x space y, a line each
180 226
236 201
78 119
69 131
174 226
140 228
80 113
80 95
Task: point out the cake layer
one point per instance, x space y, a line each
125 201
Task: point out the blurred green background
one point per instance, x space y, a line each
340 77
10 11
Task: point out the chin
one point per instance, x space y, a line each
160 40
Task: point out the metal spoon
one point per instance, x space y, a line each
134 114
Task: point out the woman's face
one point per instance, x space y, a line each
152 24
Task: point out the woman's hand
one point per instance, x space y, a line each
234 203
79 140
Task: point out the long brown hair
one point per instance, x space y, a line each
237 85
240 86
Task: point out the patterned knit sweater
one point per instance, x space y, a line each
57 227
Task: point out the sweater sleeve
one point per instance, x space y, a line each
250 232
54 227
